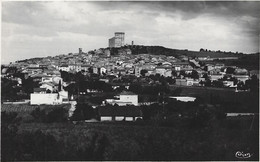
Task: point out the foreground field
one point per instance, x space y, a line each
130 141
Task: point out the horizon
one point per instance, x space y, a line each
41 29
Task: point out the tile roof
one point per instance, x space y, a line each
39 89
127 93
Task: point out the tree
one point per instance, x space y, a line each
207 82
9 89
59 86
194 74
240 85
48 91
205 76
57 115
28 85
182 72
136 88
143 72
83 112
253 84
174 73
90 70
230 70
218 83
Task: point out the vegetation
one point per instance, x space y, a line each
217 139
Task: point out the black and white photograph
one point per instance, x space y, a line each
130 80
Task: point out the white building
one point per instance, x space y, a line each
242 78
126 113
48 98
125 98
184 98
64 68
45 98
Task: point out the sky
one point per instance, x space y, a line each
41 29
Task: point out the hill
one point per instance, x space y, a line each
160 50
230 58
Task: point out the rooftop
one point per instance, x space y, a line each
127 93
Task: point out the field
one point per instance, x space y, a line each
244 101
177 139
124 141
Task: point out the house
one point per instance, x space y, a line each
215 71
166 63
125 98
227 83
47 79
242 78
103 70
219 66
160 70
39 90
209 67
128 51
138 70
184 82
182 65
48 98
116 113
56 80
48 86
107 52
215 77
85 67
96 70
168 73
177 68
195 63
239 71
64 67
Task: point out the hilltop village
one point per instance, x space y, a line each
122 71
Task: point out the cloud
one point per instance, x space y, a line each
50 28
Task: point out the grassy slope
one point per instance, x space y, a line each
129 142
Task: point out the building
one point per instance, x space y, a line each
64 67
125 98
48 86
216 77
37 98
183 98
184 82
124 113
80 51
107 52
242 78
163 70
118 40
228 83
45 98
